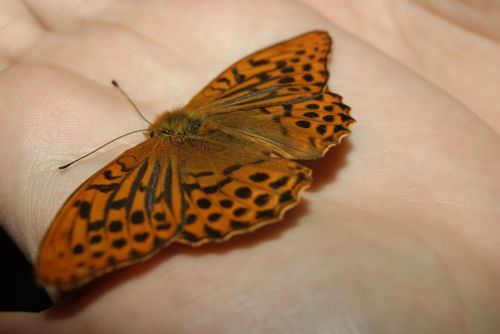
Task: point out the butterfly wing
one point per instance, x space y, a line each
285 71
278 98
123 214
231 191
301 130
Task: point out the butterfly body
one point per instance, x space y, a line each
177 123
220 166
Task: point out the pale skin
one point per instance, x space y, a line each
399 232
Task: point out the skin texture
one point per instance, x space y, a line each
399 232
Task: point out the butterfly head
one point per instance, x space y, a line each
176 123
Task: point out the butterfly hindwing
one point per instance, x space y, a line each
234 192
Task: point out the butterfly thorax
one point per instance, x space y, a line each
177 123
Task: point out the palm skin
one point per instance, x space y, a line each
399 232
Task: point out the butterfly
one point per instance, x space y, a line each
220 166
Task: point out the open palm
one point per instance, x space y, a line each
399 232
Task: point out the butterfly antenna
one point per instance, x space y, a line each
114 83
97 149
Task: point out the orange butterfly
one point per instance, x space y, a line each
216 168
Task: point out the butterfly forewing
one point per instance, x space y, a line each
117 217
283 73
278 97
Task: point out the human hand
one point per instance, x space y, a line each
397 234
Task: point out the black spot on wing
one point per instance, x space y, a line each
321 129
123 167
308 77
159 216
280 63
339 128
104 188
97 254
265 214
191 219
202 174
236 224
311 114
239 212
286 80
345 118
118 243
303 124
141 237
164 226
78 249
190 236
259 62
213 217
288 69
231 169
115 226
159 242
189 187
239 78
224 80
95 226
210 189
225 181
226 203
137 217
95 239
262 199
108 175
118 204
279 183
259 177
243 192
204 203
328 118
211 232
84 210
312 106
286 197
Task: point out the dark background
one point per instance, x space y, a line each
17 289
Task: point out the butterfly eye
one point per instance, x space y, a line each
151 134
167 132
